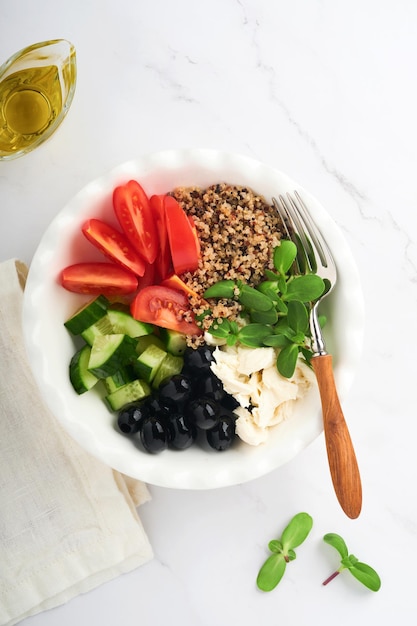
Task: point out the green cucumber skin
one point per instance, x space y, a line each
124 323
174 341
102 327
88 315
131 392
81 378
169 367
131 365
119 379
104 363
149 361
148 340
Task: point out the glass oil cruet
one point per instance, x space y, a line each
37 86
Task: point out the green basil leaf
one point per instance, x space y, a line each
297 531
252 335
271 275
322 321
304 288
282 285
349 561
269 288
297 316
291 556
220 329
221 289
276 341
264 317
327 285
301 264
366 575
271 572
254 299
234 328
337 542
307 354
275 546
287 360
284 256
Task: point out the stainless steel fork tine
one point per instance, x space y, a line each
283 213
296 222
291 218
313 229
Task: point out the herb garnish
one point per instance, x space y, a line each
364 573
276 312
283 552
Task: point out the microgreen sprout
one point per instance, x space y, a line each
276 312
283 552
362 572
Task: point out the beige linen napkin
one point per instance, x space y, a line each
68 523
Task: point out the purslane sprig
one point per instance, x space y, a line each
361 571
283 552
276 312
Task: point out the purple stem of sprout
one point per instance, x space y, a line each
330 578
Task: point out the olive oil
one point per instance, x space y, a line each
37 86
30 101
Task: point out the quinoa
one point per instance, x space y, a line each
238 231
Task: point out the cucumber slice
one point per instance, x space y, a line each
126 324
175 342
149 361
120 378
81 378
102 327
148 340
110 353
89 314
131 392
169 367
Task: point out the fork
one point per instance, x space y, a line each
315 256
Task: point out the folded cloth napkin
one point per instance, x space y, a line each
68 523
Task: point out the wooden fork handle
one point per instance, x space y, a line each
341 455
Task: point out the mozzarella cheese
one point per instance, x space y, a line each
266 398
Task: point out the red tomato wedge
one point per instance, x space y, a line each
114 245
194 229
133 210
107 279
149 277
163 262
164 307
182 237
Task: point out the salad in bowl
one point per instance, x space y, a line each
166 325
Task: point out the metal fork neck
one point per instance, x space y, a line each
318 345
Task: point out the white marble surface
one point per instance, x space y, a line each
325 91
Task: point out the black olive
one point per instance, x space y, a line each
222 435
229 402
203 412
182 432
154 435
198 361
175 392
131 416
156 406
212 387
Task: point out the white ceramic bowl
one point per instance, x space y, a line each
50 347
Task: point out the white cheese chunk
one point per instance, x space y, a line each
251 376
